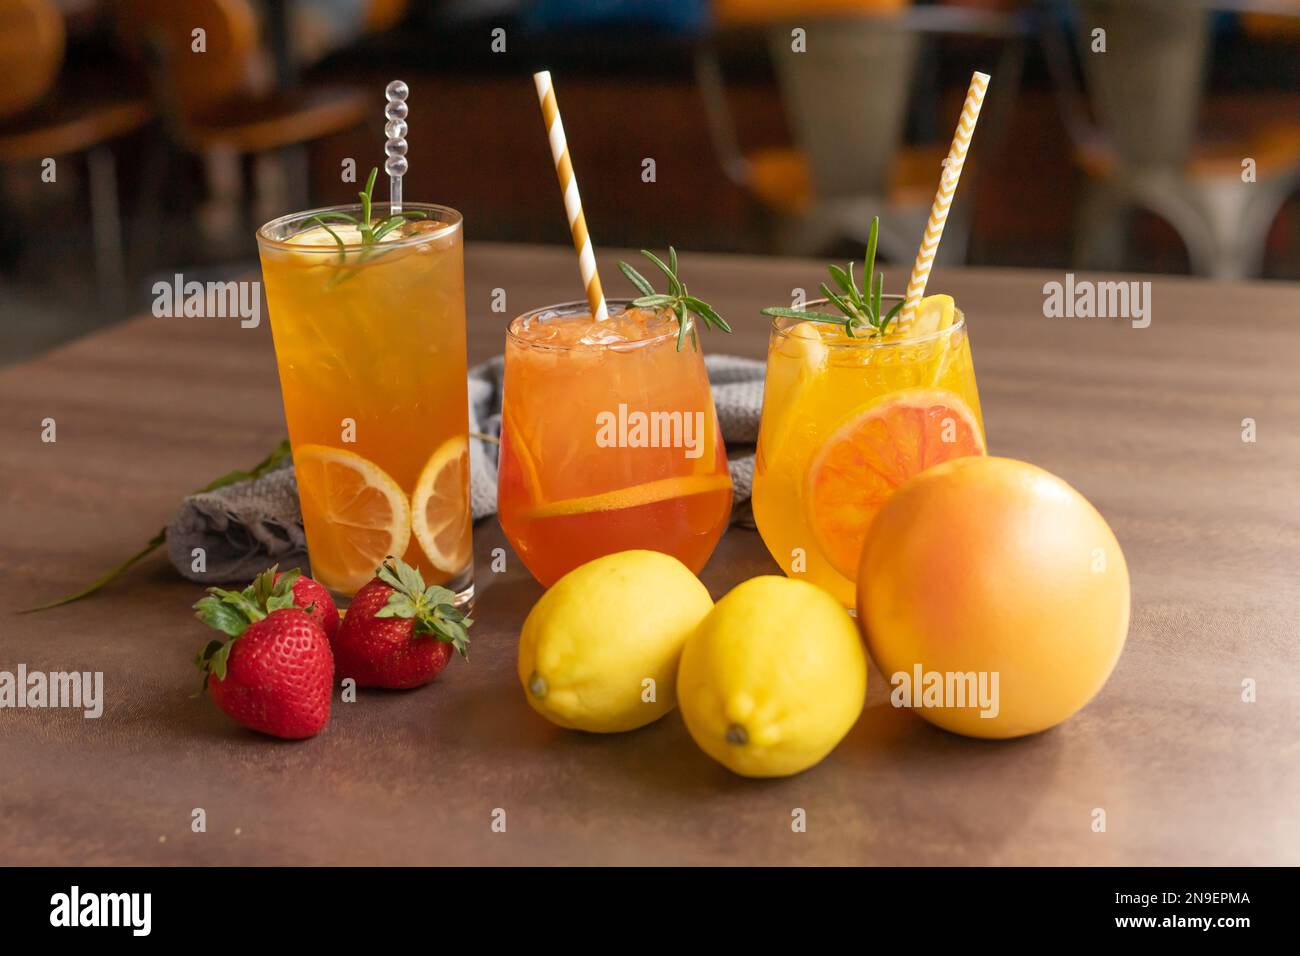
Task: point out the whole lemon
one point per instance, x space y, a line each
592 644
996 571
773 678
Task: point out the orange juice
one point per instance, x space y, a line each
846 421
370 343
609 441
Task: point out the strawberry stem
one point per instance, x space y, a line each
431 608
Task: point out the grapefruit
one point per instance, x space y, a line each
989 566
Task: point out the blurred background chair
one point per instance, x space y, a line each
48 113
1139 123
847 100
1131 158
222 105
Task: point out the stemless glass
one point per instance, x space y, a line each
846 420
370 344
609 440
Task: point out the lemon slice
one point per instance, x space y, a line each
933 313
350 234
798 361
682 486
440 514
355 512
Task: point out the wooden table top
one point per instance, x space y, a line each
1146 422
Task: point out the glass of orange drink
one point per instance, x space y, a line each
847 419
368 315
609 440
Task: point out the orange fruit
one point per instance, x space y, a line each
874 454
440 516
989 566
354 512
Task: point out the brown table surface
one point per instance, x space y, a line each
1147 423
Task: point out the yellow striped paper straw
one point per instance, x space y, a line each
970 113
569 187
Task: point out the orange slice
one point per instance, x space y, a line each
440 515
527 467
682 486
356 514
872 455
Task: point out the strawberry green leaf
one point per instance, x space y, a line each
212 660
217 662
278 602
399 605
436 594
201 659
431 608
241 601
221 615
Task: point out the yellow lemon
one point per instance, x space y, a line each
599 651
773 678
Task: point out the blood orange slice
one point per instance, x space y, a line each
875 453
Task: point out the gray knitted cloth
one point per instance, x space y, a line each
243 528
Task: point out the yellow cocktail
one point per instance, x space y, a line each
847 420
369 329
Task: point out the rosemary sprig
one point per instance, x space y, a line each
677 300
860 307
371 232
269 463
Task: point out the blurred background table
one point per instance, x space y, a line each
1146 422
1133 159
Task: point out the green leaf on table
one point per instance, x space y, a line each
269 463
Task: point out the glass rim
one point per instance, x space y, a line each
578 307
958 323
450 218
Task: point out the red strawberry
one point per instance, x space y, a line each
398 633
275 673
314 598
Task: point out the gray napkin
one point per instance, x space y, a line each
244 527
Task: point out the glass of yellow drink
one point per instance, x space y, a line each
609 440
370 343
846 420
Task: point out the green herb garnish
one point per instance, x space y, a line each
371 231
269 463
861 308
677 300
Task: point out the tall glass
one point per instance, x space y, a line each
370 343
609 440
846 421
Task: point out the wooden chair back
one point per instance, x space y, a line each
191 71
32 38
